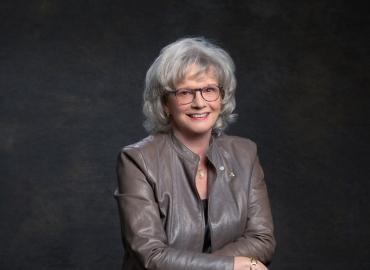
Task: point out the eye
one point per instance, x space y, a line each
209 89
184 93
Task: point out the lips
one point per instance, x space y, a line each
198 115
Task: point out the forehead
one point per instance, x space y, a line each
198 74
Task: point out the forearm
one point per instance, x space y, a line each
170 258
261 247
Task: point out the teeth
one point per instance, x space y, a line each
197 115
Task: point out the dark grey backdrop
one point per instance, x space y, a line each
71 77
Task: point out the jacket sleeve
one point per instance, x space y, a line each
142 229
258 239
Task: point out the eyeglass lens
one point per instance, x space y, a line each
209 93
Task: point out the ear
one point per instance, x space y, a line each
166 109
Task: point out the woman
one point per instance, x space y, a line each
189 196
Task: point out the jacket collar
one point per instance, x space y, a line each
182 150
186 153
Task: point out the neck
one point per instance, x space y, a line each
198 144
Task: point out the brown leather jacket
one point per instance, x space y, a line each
161 213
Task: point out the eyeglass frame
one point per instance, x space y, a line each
195 90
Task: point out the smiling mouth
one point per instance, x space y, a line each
198 115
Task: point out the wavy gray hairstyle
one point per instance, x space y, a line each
170 68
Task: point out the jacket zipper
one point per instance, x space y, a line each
209 223
200 203
202 210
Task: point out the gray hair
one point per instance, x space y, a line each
170 68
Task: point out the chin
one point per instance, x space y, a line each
199 130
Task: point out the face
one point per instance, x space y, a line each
198 117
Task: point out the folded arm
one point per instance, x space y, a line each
257 240
142 228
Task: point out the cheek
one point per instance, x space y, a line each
217 107
176 109
172 106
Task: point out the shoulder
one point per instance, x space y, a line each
145 155
237 149
236 144
149 146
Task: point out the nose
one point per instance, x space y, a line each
198 101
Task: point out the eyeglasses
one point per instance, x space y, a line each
186 96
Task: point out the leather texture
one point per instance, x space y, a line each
162 217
